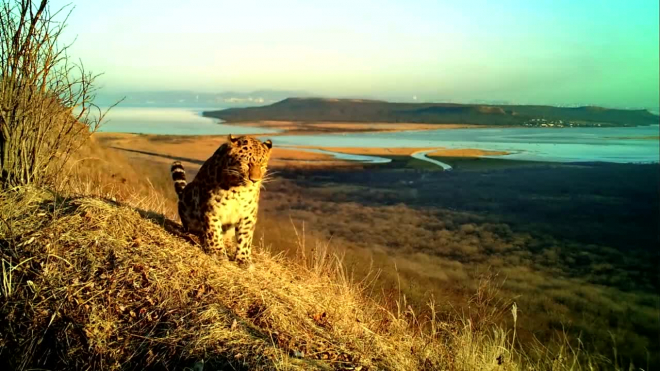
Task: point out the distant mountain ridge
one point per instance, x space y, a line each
362 110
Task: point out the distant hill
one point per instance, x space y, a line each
357 110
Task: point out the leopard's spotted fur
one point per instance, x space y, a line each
222 201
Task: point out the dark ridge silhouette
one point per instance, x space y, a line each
359 110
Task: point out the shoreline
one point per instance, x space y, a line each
408 151
331 127
194 150
312 150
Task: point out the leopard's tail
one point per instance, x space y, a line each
179 178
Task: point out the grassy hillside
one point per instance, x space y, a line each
99 277
89 282
347 110
122 288
571 243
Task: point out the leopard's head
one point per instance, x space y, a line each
248 158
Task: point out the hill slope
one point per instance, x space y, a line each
350 110
91 283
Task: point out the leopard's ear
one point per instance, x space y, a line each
268 144
231 138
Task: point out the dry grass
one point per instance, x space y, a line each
108 281
143 183
448 264
90 283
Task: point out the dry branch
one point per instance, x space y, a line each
47 105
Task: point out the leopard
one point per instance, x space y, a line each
220 204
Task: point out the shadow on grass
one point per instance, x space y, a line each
174 158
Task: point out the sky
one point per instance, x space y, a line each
541 52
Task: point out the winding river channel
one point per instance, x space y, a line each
421 155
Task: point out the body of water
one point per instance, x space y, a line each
421 155
171 121
631 144
538 144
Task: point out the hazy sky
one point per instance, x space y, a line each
579 51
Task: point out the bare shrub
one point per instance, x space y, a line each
46 100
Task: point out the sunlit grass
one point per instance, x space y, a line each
315 299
